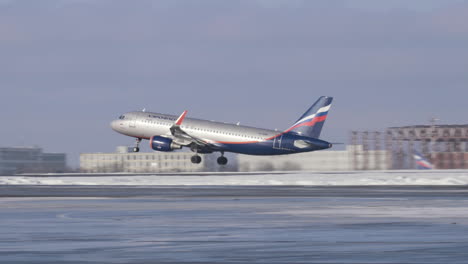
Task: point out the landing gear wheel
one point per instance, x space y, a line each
195 159
222 160
137 145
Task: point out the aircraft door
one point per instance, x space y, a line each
277 142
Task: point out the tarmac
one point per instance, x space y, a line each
233 224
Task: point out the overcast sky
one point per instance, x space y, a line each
67 68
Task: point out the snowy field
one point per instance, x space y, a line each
455 177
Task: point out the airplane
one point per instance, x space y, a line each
169 132
421 162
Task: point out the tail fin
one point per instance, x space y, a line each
311 122
421 162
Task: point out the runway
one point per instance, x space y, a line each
233 224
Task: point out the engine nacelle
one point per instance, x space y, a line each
163 144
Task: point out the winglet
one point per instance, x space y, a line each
181 118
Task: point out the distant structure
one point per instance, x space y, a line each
16 160
338 160
370 152
446 146
123 160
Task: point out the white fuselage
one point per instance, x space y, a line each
146 124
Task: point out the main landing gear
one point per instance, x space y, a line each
222 160
195 159
137 145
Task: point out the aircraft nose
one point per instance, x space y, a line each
114 125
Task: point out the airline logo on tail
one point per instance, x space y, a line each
421 162
311 122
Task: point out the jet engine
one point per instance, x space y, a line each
163 144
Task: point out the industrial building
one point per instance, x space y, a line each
352 158
16 160
138 162
446 146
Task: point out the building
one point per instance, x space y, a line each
30 160
353 158
446 146
138 162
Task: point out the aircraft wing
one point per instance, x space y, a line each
183 138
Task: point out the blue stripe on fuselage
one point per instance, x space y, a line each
286 146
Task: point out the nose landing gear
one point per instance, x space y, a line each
137 145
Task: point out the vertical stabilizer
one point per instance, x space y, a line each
421 162
310 124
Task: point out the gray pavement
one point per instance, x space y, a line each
282 224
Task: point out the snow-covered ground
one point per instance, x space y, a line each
300 178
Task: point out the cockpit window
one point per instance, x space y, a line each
122 117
